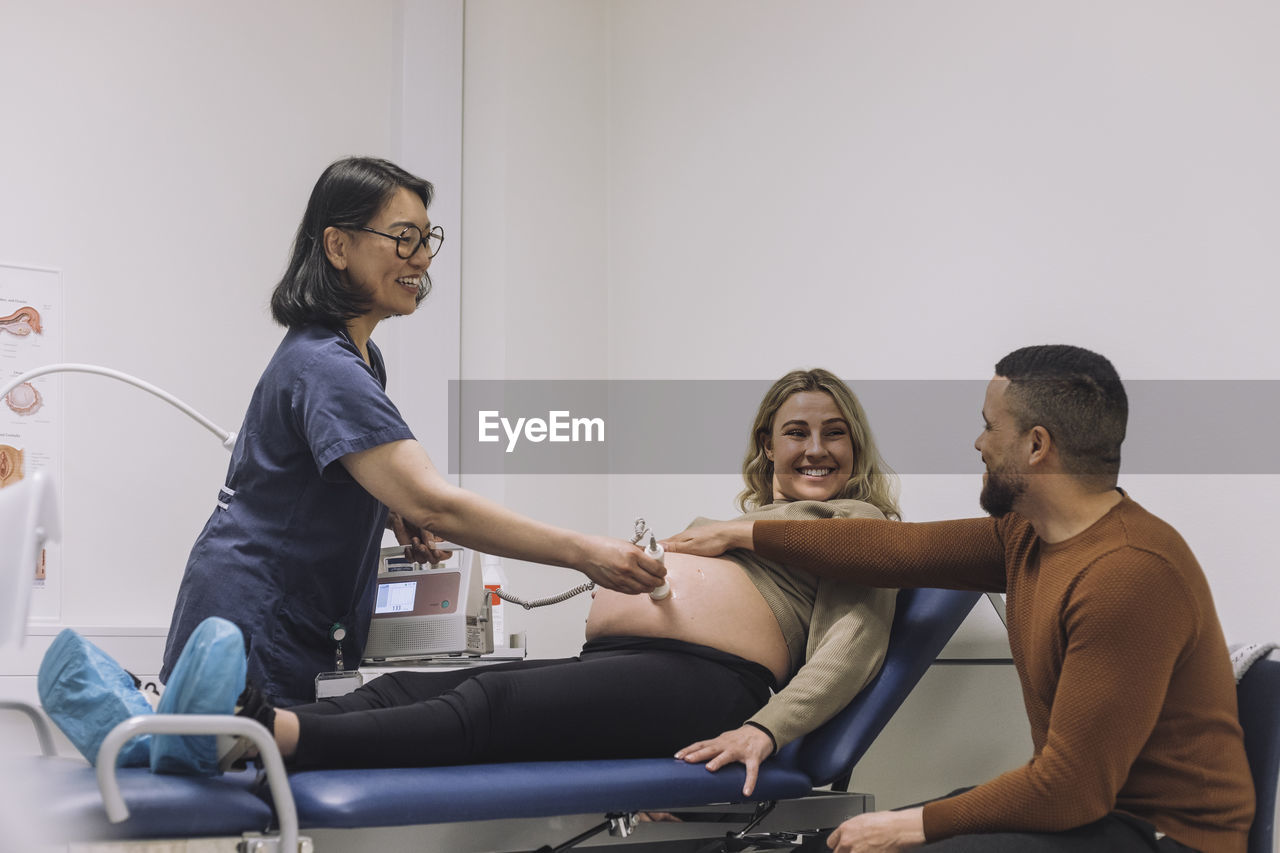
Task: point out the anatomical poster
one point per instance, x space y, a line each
31 336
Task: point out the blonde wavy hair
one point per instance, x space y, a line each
872 480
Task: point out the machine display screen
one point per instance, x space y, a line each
403 595
396 597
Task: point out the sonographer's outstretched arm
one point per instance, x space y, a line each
402 476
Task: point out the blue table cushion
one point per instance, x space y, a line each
345 799
159 806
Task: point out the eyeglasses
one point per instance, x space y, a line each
411 237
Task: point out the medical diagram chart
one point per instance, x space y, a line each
31 327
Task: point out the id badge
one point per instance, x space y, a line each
337 683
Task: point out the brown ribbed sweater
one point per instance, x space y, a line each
1124 668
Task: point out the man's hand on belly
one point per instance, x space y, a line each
711 540
746 744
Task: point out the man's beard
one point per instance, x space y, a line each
1000 491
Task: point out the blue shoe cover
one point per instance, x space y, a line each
87 694
207 679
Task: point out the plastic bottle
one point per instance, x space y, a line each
495 577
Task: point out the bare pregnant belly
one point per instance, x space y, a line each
712 603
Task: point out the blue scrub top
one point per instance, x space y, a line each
292 546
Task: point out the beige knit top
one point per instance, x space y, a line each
836 630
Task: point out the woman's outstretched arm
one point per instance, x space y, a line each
402 476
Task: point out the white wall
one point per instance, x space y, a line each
892 190
160 156
535 266
164 177
911 190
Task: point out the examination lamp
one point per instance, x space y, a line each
29 507
228 439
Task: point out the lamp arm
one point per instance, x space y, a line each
228 439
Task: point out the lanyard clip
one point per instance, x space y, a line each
337 633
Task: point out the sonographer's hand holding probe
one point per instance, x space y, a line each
711 540
620 566
654 552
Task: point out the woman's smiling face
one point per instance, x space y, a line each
371 264
810 447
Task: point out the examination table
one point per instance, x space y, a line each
550 805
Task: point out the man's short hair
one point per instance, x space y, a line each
1077 396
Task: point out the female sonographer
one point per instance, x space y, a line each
290 553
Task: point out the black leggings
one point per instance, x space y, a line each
622 697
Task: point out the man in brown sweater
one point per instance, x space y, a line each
1124 668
